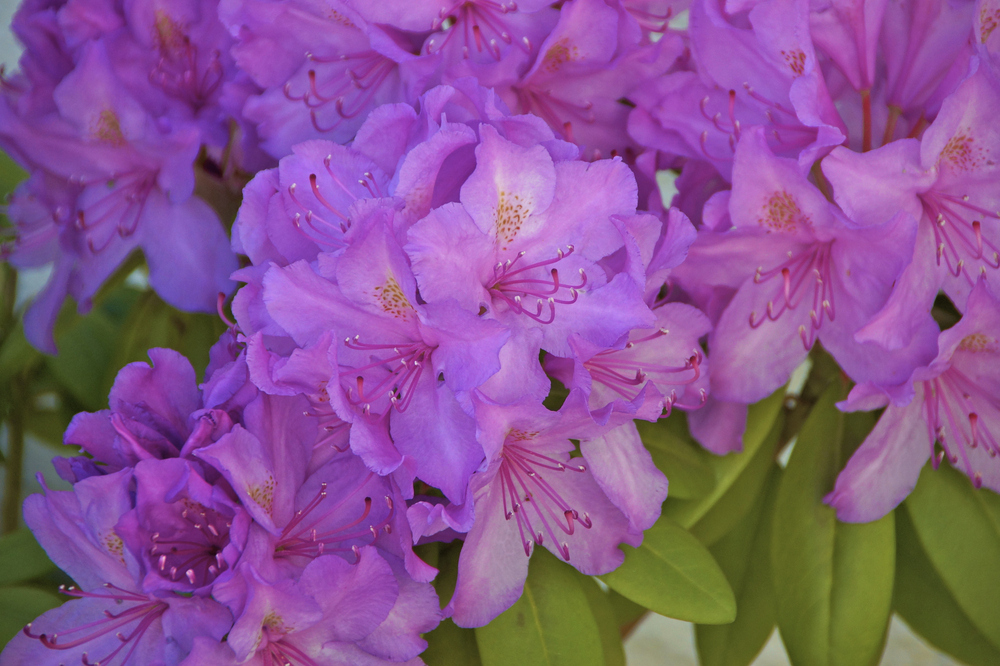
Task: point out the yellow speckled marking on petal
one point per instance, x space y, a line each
962 153
516 435
559 54
796 61
781 212
114 545
168 35
392 300
989 20
263 494
511 213
978 342
276 624
337 17
108 128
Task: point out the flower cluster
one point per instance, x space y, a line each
322 67
116 111
461 287
223 513
841 162
407 286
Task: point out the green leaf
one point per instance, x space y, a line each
959 528
832 581
21 604
550 625
10 174
448 644
727 469
49 425
607 623
627 612
153 323
21 558
744 555
732 507
17 356
673 574
922 599
451 645
683 462
86 345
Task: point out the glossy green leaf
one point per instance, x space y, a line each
17 356
732 507
673 574
154 323
21 558
832 581
959 528
451 645
550 625
922 599
727 469
448 644
10 174
683 462
49 424
21 604
744 555
607 623
627 612
86 345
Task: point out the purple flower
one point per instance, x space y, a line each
765 75
582 71
801 271
183 532
653 369
111 144
321 70
155 413
951 401
947 180
113 614
524 245
534 492
329 615
390 340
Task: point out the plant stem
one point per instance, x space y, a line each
14 463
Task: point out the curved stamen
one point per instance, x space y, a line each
521 476
511 284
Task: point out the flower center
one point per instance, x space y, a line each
792 279
958 235
135 619
538 507
192 550
959 414
402 371
474 24
513 282
349 81
315 530
624 371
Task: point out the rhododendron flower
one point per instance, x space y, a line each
535 493
947 180
109 113
802 271
113 615
952 401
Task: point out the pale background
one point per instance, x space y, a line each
658 641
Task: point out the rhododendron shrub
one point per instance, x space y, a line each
472 331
